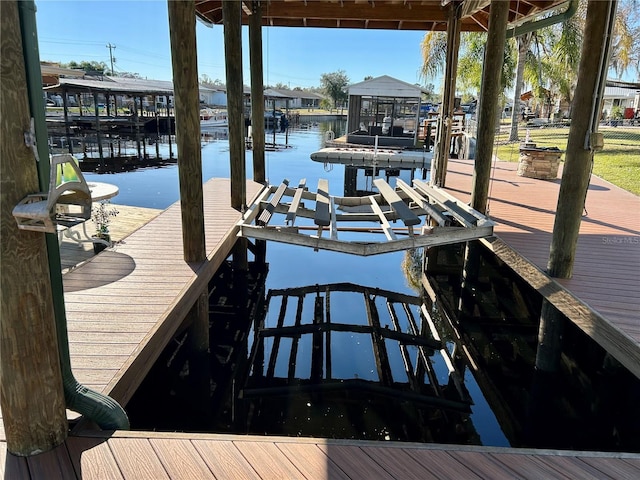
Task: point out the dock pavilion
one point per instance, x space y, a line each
33 328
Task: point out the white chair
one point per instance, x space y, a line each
67 203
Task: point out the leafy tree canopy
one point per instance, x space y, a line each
89 67
205 79
334 85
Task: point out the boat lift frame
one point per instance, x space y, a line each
431 216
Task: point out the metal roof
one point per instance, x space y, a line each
114 85
422 15
386 86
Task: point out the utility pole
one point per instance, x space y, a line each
111 49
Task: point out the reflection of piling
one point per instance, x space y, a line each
549 338
539 419
470 273
199 362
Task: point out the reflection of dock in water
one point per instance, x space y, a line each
301 371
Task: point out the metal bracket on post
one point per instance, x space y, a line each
30 139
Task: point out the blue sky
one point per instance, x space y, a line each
80 30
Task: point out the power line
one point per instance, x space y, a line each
111 48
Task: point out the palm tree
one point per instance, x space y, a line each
625 45
524 43
434 54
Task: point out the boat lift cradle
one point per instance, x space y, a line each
430 215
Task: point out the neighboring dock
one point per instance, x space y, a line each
602 296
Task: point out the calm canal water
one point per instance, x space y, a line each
488 402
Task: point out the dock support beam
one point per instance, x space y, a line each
232 19
257 91
65 110
98 133
490 90
577 171
32 398
182 30
443 142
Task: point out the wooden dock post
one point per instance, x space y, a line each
576 175
232 18
98 134
155 108
257 91
32 398
182 32
489 93
65 110
443 141
137 114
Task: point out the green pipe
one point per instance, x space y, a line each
103 410
544 22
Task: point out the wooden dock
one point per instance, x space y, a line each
157 456
115 333
128 220
602 296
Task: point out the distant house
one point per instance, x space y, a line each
625 95
213 96
285 98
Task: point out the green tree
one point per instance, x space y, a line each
524 43
325 104
625 44
434 54
334 85
471 57
89 67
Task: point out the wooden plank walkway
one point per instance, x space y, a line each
149 455
602 296
128 220
125 304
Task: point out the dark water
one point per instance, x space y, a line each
481 389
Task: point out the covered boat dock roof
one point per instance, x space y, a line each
427 15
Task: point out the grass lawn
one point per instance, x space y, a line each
618 162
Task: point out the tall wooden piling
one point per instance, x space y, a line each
65 110
576 174
441 159
489 93
182 30
32 398
232 19
96 110
182 33
257 91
